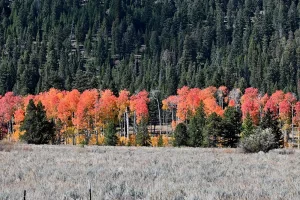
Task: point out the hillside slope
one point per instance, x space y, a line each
147 44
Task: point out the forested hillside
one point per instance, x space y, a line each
147 44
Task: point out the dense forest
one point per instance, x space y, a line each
147 44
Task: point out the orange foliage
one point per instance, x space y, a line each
170 103
139 105
51 100
106 108
231 103
189 101
123 102
85 113
68 106
19 116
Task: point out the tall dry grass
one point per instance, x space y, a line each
64 172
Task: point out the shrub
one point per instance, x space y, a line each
160 142
260 140
180 135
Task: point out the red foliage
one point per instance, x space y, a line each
284 110
9 103
251 104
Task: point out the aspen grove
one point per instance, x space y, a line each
85 115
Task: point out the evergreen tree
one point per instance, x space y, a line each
212 130
111 138
231 126
196 126
38 130
180 135
142 136
247 126
270 120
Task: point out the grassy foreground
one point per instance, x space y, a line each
64 172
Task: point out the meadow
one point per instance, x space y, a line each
65 172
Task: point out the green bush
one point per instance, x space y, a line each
260 140
160 142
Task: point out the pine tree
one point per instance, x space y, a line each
247 126
143 137
111 138
270 120
180 135
212 130
38 129
196 126
231 124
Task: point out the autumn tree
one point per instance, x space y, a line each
9 103
123 104
139 107
67 112
250 104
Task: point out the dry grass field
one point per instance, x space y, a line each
64 172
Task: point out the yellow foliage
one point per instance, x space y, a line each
15 137
154 141
123 141
93 140
168 141
132 140
80 139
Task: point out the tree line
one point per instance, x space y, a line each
149 44
208 117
